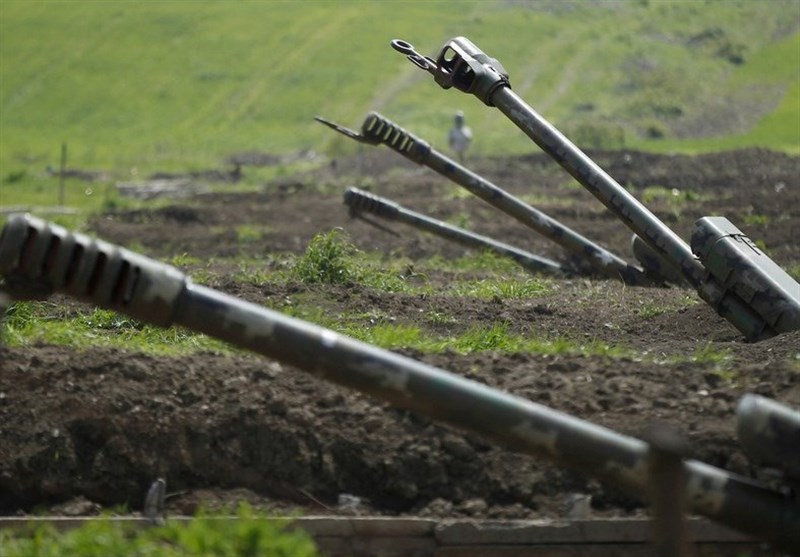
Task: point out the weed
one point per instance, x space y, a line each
502 288
481 261
17 322
707 355
462 220
649 310
390 336
183 260
756 219
326 259
388 281
439 318
479 339
247 233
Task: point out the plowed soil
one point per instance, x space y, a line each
91 429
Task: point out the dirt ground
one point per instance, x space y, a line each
85 430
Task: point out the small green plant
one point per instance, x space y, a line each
709 354
461 220
649 310
327 259
479 339
481 261
756 219
673 196
18 319
389 335
247 234
183 260
711 357
439 318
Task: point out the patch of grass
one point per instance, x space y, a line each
480 339
501 287
479 261
675 199
714 358
30 322
671 195
439 318
650 309
756 219
250 233
462 220
391 336
709 354
183 260
391 280
458 192
250 535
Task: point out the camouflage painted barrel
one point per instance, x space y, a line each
362 201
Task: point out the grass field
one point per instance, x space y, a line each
181 84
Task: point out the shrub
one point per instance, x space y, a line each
326 259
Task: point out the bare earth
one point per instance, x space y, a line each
93 428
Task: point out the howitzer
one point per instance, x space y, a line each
377 129
728 271
38 258
361 201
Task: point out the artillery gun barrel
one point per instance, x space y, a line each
377 129
37 258
747 289
359 200
770 435
639 219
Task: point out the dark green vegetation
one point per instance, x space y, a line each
250 536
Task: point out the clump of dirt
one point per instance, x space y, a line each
99 425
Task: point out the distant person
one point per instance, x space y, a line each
460 136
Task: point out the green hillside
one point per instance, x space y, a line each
180 84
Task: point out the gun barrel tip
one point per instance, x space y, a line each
327 122
403 46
